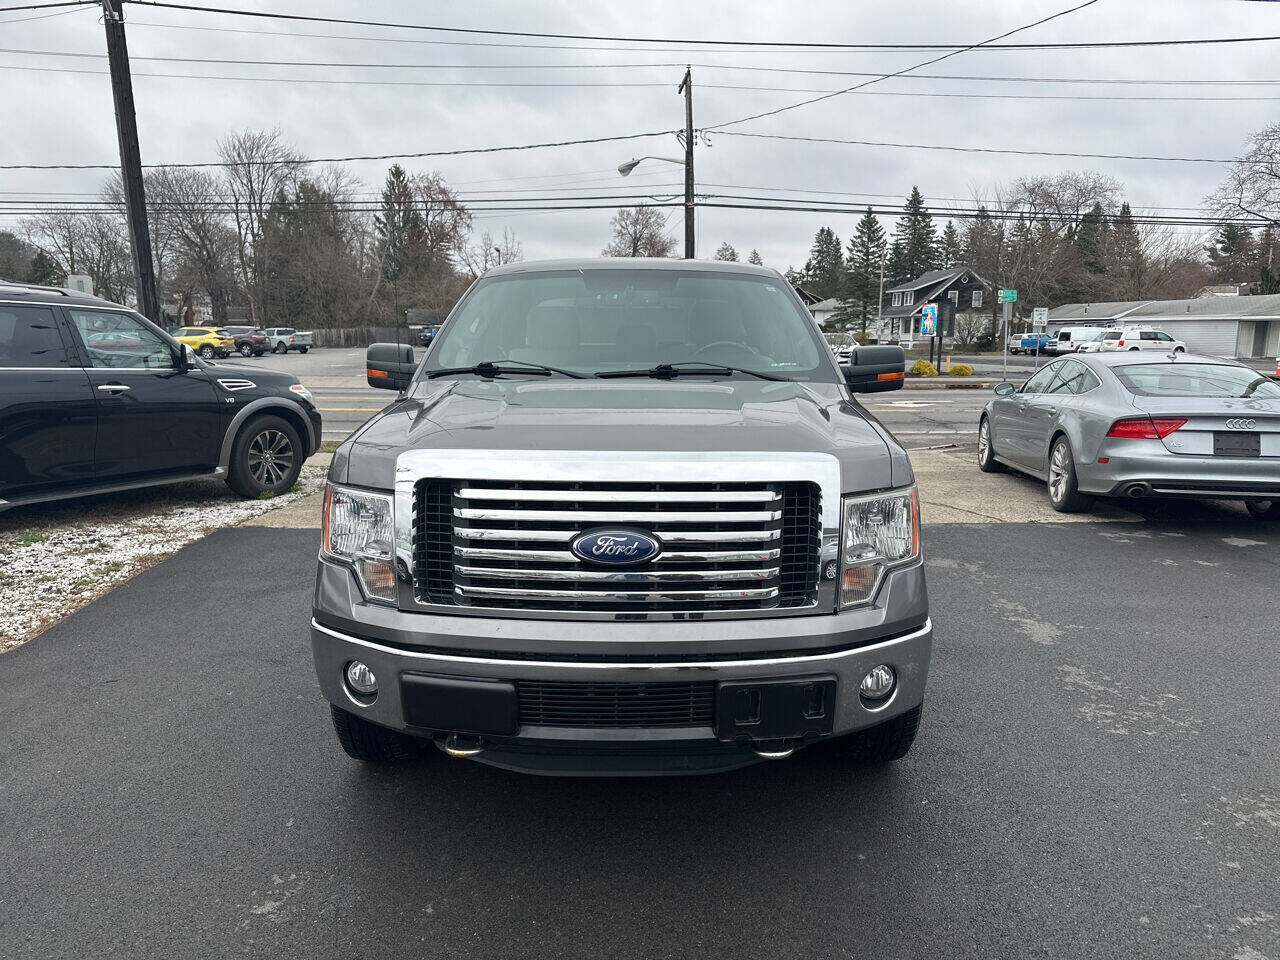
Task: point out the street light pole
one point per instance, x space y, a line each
686 87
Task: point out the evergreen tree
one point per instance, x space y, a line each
865 258
915 235
950 248
755 258
794 276
1090 239
1124 261
1232 256
1267 262
45 271
398 225
824 270
726 252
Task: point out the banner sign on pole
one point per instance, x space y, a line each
929 320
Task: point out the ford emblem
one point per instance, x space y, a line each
615 547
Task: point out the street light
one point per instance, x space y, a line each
626 168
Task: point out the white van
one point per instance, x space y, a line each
1070 339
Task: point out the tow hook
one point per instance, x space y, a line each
461 745
773 749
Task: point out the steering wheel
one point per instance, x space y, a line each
731 344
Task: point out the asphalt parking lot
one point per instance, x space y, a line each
1096 776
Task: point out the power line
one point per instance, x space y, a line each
615 84
889 76
41 16
804 45
383 156
651 65
43 6
1004 150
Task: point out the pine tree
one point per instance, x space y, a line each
950 248
1124 260
726 252
398 225
824 270
863 264
755 258
1232 256
915 235
45 271
1090 239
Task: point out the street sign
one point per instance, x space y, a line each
1008 296
929 320
1040 318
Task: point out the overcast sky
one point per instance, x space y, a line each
51 117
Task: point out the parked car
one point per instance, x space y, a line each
1115 425
284 339
1031 343
249 341
209 342
427 334
1070 339
95 398
562 550
1139 338
1092 343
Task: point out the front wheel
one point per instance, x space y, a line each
1064 493
1264 509
1179 350
266 458
987 461
370 743
207 352
883 743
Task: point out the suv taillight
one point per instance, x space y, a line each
1144 428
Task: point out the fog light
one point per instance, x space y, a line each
362 681
878 683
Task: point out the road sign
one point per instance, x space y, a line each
1039 318
1008 296
929 320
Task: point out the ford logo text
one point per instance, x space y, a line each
615 547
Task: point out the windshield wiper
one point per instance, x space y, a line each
490 368
665 371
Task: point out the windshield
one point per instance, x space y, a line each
1195 380
599 320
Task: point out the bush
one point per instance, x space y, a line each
923 368
962 370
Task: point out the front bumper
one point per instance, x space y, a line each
844 646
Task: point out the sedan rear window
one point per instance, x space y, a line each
1195 380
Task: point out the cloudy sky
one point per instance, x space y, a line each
448 96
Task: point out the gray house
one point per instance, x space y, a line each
964 288
1221 326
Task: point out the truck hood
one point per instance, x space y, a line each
524 417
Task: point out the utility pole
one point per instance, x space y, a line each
686 87
135 201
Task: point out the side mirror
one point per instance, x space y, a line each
1005 388
186 358
875 369
389 366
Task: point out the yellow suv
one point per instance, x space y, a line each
209 342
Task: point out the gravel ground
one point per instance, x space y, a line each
55 558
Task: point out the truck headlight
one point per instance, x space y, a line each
358 531
877 532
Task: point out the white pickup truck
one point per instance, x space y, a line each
284 339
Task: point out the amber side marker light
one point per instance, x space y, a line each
376 373
890 376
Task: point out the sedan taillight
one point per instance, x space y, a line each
1144 428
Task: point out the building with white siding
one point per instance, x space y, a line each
1218 326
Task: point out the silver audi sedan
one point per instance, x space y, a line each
1136 425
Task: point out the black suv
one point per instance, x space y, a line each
250 341
95 398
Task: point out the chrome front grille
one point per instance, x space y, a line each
725 546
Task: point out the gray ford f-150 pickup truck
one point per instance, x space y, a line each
624 517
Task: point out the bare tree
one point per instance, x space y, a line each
639 232
1063 199
94 244
1252 184
488 252
259 164
189 204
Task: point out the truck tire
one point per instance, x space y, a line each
266 457
303 349
883 743
280 348
370 743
